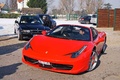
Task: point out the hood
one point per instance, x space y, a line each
33 26
55 46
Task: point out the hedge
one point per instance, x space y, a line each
9 15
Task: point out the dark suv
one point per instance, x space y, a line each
28 25
84 20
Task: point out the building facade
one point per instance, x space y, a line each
22 4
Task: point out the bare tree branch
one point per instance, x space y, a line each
13 4
92 5
67 5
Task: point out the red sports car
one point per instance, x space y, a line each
67 48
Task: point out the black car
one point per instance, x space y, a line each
50 18
28 25
84 19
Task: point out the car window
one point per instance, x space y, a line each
41 16
94 33
31 20
94 16
70 32
87 17
18 19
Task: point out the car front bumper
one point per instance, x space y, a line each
71 65
31 33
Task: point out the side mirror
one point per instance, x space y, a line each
44 32
16 21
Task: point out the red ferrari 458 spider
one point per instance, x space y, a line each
67 48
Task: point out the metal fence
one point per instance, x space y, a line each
71 16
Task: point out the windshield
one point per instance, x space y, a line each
94 16
31 20
70 32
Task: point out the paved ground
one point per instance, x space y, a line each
12 68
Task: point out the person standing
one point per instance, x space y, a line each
47 21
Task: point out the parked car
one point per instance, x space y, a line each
94 19
85 19
50 18
65 49
28 25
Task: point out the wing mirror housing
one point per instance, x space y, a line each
44 32
16 21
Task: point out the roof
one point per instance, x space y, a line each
2 5
32 11
20 1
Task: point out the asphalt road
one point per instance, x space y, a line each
12 68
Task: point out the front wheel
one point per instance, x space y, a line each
93 61
20 36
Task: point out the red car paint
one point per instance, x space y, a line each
54 54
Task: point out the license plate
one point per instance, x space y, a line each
44 63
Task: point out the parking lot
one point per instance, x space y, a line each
12 68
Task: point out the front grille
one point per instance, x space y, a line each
30 60
36 31
52 65
61 66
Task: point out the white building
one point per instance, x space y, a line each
22 4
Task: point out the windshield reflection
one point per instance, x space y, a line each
70 32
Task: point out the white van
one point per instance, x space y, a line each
94 19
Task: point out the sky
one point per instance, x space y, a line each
114 3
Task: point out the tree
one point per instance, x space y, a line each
107 6
81 4
50 6
90 6
7 4
99 4
13 4
67 5
38 4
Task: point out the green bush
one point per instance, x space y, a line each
9 15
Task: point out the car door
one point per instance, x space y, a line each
97 40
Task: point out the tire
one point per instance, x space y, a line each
104 47
93 61
94 24
15 31
20 36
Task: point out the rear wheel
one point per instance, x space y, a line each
87 22
104 47
93 61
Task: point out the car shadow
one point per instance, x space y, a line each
8 70
6 37
10 48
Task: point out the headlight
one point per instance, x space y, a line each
26 31
28 46
76 54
